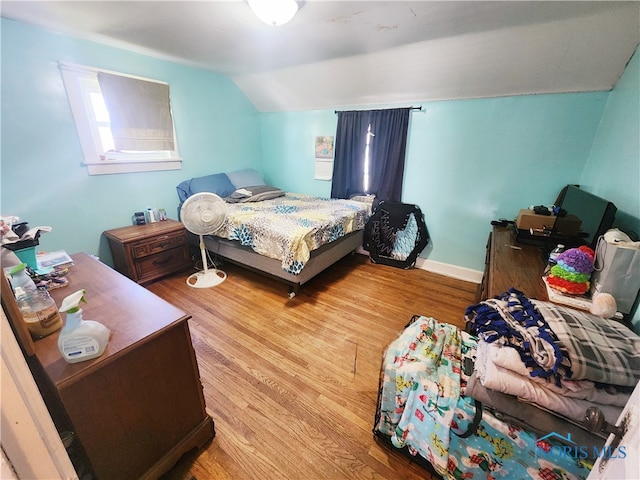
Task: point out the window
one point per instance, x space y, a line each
370 153
124 123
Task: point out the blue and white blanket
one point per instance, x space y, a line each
511 319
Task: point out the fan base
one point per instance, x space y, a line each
208 279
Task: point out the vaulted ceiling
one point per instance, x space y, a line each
349 53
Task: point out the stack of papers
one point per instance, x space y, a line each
50 260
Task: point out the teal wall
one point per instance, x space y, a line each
472 161
613 167
468 161
42 179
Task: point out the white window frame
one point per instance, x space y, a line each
79 82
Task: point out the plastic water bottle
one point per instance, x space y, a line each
21 279
151 215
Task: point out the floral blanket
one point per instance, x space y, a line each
421 388
288 228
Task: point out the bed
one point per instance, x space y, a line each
287 236
506 397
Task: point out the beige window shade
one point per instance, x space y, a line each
139 111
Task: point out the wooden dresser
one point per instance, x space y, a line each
511 264
140 406
145 253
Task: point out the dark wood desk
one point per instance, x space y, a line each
510 264
139 407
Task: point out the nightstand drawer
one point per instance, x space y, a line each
158 244
162 263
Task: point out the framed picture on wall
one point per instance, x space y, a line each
324 157
324 147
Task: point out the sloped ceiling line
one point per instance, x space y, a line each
348 53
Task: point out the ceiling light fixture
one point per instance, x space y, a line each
274 12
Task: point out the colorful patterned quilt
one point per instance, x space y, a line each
422 408
289 228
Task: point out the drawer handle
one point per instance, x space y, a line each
162 262
162 244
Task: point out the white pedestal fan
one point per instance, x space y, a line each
204 214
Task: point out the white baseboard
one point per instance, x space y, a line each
454 271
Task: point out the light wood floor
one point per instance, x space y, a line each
292 383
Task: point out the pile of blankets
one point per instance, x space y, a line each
557 358
425 408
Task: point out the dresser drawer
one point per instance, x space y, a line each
158 244
163 263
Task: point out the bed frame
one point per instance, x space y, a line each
321 258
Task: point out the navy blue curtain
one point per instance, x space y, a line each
348 162
387 152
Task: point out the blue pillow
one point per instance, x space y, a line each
217 183
183 190
245 178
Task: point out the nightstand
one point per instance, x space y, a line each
145 253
